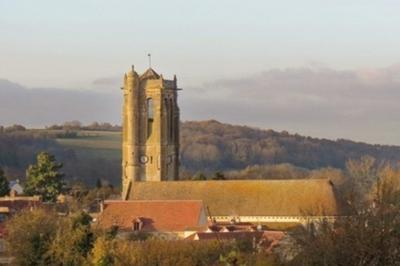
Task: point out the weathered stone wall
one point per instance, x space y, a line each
150 118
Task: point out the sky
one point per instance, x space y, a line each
321 68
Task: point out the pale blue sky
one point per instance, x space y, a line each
71 43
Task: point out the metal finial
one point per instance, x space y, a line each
149 55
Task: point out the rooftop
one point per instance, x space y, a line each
247 197
158 215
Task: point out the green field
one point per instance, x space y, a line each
90 144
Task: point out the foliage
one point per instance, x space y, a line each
200 176
73 240
42 237
363 174
218 176
369 235
277 171
161 252
14 128
44 178
29 235
89 199
214 146
4 184
76 125
103 252
233 258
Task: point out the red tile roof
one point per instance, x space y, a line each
158 215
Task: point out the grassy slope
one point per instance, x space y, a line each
91 144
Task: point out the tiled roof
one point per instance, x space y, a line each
247 197
165 215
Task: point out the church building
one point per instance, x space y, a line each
150 165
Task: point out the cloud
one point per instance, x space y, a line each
316 101
46 106
361 105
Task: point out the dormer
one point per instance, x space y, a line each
137 224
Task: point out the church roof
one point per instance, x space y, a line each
166 215
149 74
247 197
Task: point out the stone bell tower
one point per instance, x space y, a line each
150 135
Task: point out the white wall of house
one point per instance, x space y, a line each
273 219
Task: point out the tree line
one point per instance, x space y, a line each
211 145
207 147
77 125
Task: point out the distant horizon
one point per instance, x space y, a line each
45 127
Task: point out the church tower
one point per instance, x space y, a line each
150 135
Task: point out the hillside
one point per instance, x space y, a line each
206 146
213 145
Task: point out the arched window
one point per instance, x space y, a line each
150 109
150 116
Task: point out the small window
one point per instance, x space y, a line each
137 225
150 109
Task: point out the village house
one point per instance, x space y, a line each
171 219
179 219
